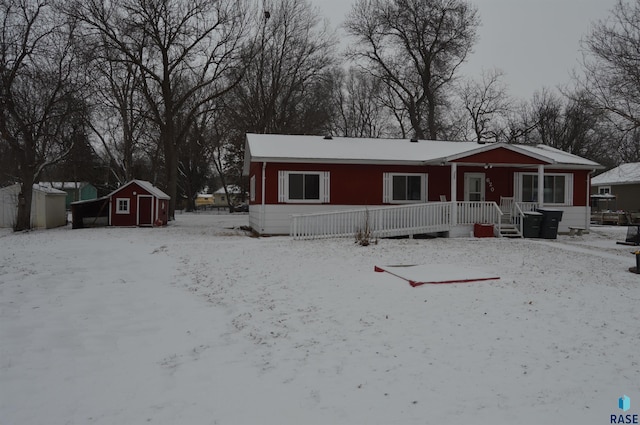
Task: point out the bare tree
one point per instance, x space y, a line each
569 122
294 54
285 88
416 48
628 147
612 55
41 113
486 103
120 121
187 52
359 106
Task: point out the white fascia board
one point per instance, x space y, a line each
491 146
337 161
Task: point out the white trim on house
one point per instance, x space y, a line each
604 190
122 210
387 188
568 188
491 146
467 189
323 187
138 209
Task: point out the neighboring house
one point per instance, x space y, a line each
438 186
220 196
137 203
622 182
76 191
47 207
203 200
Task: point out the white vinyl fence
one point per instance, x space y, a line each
391 221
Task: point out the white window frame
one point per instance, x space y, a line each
324 189
387 189
128 204
252 188
604 190
482 177
568 188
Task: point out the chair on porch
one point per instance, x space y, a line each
506 206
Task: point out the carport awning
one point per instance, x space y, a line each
83 211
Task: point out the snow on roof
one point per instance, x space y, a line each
292 148
65 185
204 195
622 174
48 190
560 157
15 188
146 186
230 189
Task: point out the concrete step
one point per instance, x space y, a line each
510 232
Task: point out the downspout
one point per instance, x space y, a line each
587 210
454 198
262 208
540 186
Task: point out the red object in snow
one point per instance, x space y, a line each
418 275
481 230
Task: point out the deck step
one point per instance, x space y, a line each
510 232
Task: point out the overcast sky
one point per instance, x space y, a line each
535 42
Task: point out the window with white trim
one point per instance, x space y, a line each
252 188
303 186
558 188
122 206
404 188
604 190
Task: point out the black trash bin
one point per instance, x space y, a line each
531 224
550 221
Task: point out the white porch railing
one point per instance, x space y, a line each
391 221
517 217
506 204
519 208
527 206
478 212
380 221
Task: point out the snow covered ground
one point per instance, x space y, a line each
197 323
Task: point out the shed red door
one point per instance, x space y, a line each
145 210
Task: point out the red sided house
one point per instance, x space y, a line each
137 203
310 186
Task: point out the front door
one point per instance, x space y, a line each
145 210
474 187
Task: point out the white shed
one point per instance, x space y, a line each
47 207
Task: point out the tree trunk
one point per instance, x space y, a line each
23 220
171 169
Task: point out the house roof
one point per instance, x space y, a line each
233 189
622 174
292 148
49 190
36 187
146 186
